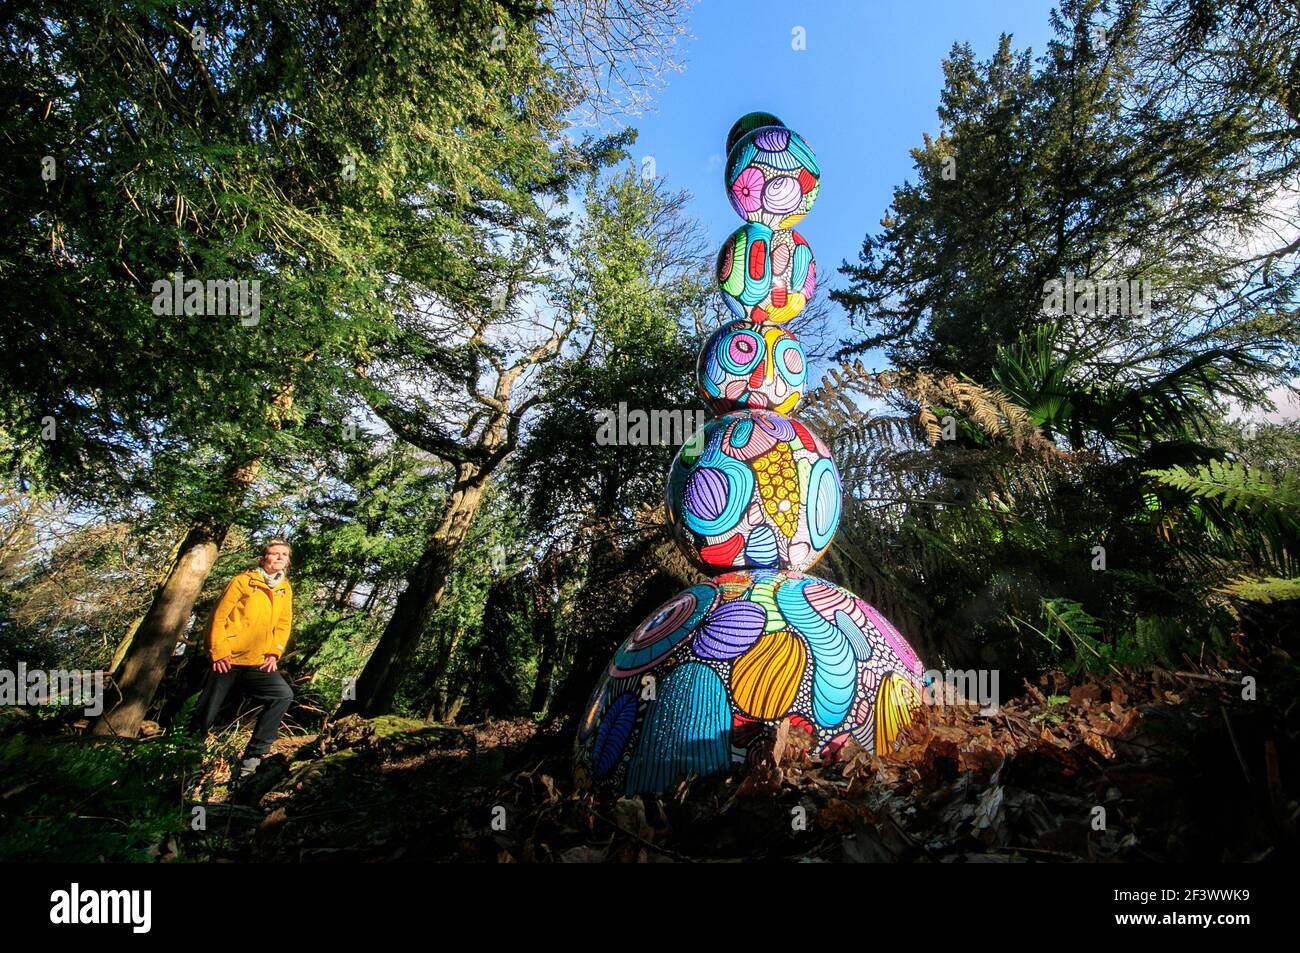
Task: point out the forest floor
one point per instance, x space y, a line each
1150 766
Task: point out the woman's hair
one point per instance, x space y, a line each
276 542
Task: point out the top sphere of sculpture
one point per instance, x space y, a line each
772 177
748 123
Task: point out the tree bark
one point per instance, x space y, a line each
426 587
548 655
133 686
125 644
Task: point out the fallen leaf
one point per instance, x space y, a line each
629 815
274 819
1082 696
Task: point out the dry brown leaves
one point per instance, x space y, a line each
1018 783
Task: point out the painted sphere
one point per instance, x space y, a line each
753 490
772 176
744 365
748 123
728 660
765 274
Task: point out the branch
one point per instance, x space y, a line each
415 428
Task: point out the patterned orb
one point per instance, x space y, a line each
772 176
748 123
766 275
753 490
728 660
745 365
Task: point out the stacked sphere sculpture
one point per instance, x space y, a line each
754 500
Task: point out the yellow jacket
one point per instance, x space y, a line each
251 620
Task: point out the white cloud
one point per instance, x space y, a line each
1286 404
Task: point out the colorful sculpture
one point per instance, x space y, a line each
754 499
744 365
733 655
772 177
754 490
766 275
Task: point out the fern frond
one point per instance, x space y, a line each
989 409
929 424
1062 617
1265 589
1236 487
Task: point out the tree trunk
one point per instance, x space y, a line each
155 638
452 711
125 644
493 688
426 586
344 600
544 619
441 667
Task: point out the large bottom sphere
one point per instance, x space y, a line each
718 663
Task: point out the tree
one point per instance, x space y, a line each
491 349
641 270
308 148
617 52
1087 247
1074 173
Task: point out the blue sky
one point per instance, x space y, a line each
861 93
